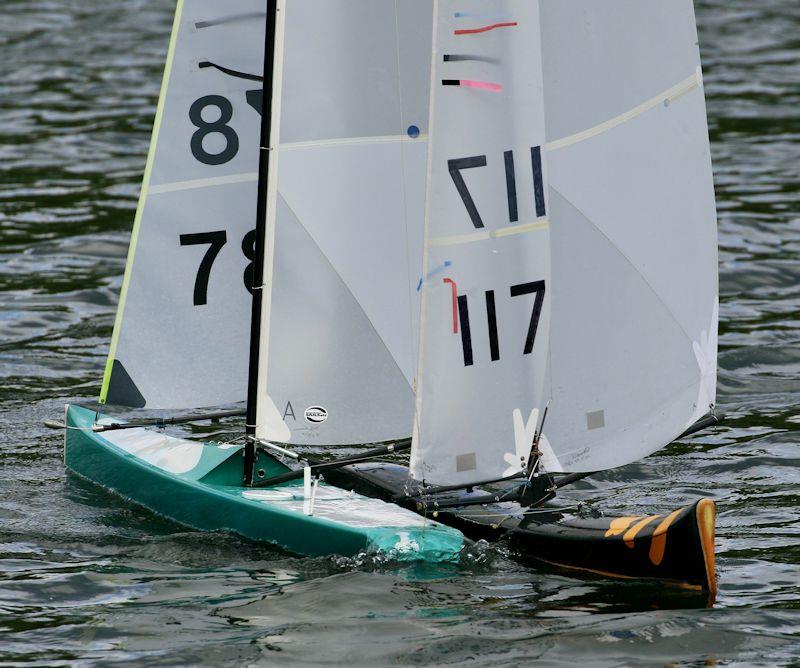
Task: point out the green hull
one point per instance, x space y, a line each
200 486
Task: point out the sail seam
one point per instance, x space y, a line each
253 176
349 141
487 235
670 95
203 183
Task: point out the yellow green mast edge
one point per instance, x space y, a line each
137 221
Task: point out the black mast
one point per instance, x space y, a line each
261 226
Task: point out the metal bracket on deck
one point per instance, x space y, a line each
538 489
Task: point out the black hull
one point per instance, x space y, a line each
677 547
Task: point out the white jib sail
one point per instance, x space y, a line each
486 301
632 281
339 349
182 330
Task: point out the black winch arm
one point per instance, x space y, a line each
423 492
441 489
155 422
321 467
534 492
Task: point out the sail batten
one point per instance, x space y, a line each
670 95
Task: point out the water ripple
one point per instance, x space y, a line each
87 579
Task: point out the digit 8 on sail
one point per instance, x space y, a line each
219 126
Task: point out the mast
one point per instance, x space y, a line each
266 178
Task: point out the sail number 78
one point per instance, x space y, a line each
215 241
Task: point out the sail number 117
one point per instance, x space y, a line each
536 288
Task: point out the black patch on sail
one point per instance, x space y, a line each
122 391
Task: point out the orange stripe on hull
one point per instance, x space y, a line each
620 524
631 533
658 546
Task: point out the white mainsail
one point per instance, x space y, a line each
628 261
182 330
338 346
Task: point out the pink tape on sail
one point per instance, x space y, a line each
471 83
483 85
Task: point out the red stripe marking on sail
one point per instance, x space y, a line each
475 31
454 292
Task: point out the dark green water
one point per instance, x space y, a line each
86 579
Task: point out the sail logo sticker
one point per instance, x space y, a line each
316 414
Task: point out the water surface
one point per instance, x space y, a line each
85 578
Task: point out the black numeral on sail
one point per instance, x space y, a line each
535 287
466 336
511 187
491 319
255 98
218 126
249 250
456 165
216 241
538 181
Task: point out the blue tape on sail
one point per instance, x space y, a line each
433 273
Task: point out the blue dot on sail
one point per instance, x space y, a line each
413 131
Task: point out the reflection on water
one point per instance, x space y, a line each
83 576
